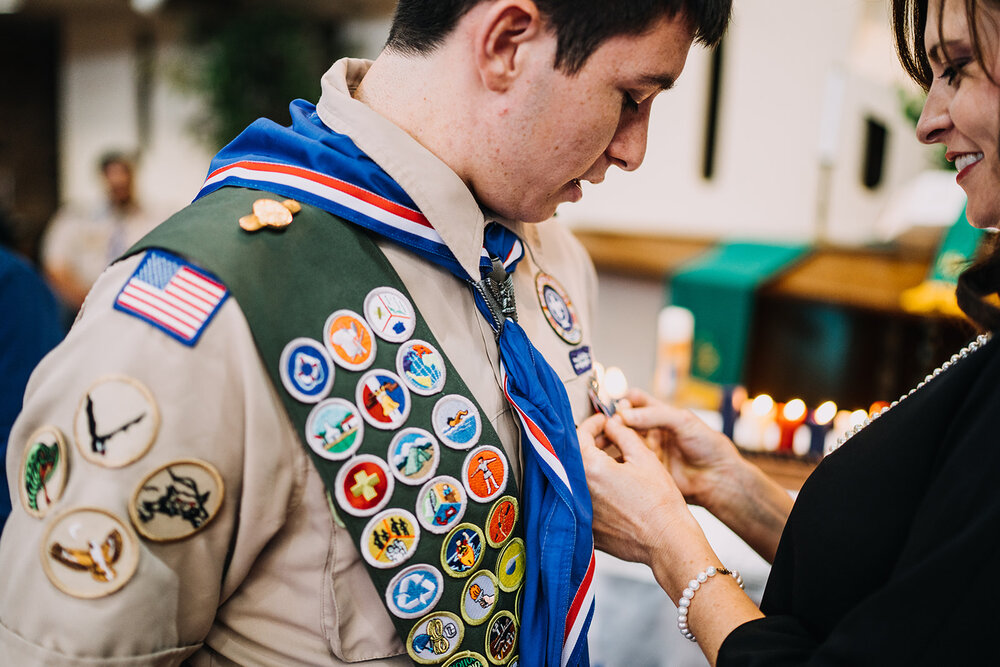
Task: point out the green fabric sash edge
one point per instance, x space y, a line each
287 282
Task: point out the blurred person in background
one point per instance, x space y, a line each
82 241
887 554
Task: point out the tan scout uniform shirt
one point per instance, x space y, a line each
271 580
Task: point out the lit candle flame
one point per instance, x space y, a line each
794 410
825 412
762 405
615 383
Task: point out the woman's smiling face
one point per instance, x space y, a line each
962 111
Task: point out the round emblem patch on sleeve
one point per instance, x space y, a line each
89 553
558 309
456 421
390 538
44 470
414 455
511 565
414 591
479 597
441 504
501 521
462 550
435 637
383 398
501 638
349 340
363 485
467 659
390 314
177 500
306 370
334 429
485 473
116 422
421 366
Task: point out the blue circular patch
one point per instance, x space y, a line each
421 366
306 370
414 591
462 550
456 421
414 455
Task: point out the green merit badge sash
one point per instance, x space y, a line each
413 468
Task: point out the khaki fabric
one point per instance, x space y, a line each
271 580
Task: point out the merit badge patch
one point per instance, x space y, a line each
116 422
334 429
501 521
462 550
485 473
558 309
44 471
435 637
177 500
414 455
581 360
89 553
479 597
383 398
349 340
467 659
421 366
363 485
390 538
511 565
501 637
306 370
172 295
390 314
456 421
441 504
414 591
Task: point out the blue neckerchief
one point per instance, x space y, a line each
309 162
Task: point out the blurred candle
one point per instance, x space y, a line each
820 423
614 384
733 398
790 416
755 416
876 408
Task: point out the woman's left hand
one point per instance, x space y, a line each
636 502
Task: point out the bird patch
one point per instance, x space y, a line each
89 553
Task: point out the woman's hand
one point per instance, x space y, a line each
636 503
697 457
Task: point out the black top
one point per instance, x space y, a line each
891 554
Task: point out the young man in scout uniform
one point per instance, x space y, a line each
294 475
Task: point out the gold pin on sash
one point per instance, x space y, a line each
270 213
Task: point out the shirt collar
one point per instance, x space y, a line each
437 190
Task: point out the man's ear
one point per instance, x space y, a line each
502 32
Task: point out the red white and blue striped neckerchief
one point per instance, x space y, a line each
309 162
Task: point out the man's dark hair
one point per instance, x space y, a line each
581 26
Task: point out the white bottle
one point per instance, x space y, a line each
675 331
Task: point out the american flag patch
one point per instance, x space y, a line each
172 295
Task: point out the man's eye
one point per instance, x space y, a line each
629 103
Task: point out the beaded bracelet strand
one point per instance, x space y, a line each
692 587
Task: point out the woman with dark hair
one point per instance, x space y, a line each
888 555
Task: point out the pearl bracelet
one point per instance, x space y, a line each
688 595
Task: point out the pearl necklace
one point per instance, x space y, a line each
980 341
